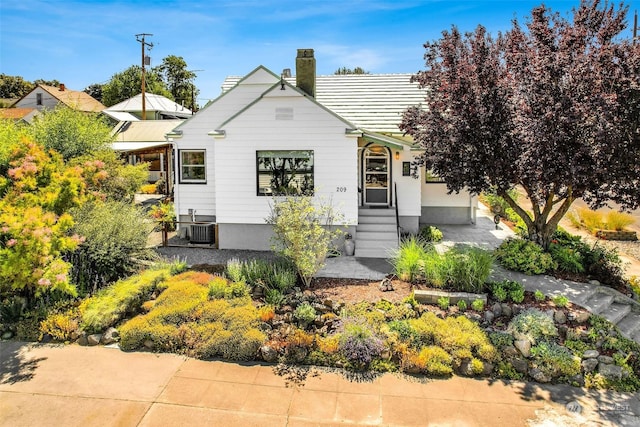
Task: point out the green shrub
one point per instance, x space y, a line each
462 269
499 292
560 301
221 288
408 260
429 233
305 313
555 360
112 304
477 305
233 270
524 256
507 289
303 233
462 305
184 320
431 360
279 274
533 325
273 297
443 302
501 339
115 243
567 259
61 326
539 296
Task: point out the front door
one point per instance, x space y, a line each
376 176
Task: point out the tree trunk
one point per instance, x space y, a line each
540 228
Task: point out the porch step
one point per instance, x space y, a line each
375 227
376 233
390 235
376 212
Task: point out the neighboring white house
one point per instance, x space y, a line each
48 97
157 107
335 137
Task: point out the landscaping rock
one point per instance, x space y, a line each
583 317
46 338
487 368
539 376
110 336
148 344
94 339
577 380
473 316
606 360
321 308
489 316
297 354
7 335
589 365
590 354
386 285
560 317
520 365
268 354
594 282
82 339
328 302
496 309
523 346
610 372
506 310
510 352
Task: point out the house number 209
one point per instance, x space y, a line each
341 189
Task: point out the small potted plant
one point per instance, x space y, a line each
349 244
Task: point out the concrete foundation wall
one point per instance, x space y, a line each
409 224
447 215
245 236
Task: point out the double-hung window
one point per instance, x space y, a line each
284 172
192 166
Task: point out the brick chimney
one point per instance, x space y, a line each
62 88
306 71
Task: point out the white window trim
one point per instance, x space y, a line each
204 165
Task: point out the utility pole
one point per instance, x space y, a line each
193 90
145 60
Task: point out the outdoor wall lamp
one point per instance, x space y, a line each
397 155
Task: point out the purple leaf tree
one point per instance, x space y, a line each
552 107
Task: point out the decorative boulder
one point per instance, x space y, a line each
110 336
94 339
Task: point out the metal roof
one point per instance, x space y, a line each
374 102
153 102
144 130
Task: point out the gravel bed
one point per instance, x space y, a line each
195 256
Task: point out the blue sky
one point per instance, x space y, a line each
85 42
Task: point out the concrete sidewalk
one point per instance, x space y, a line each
45 385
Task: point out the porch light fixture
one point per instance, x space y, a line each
397 155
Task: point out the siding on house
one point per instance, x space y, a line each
195 135
310 128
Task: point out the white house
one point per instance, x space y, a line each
335 137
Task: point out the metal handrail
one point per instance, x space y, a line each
395 202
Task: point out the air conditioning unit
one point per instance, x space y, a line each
202 233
